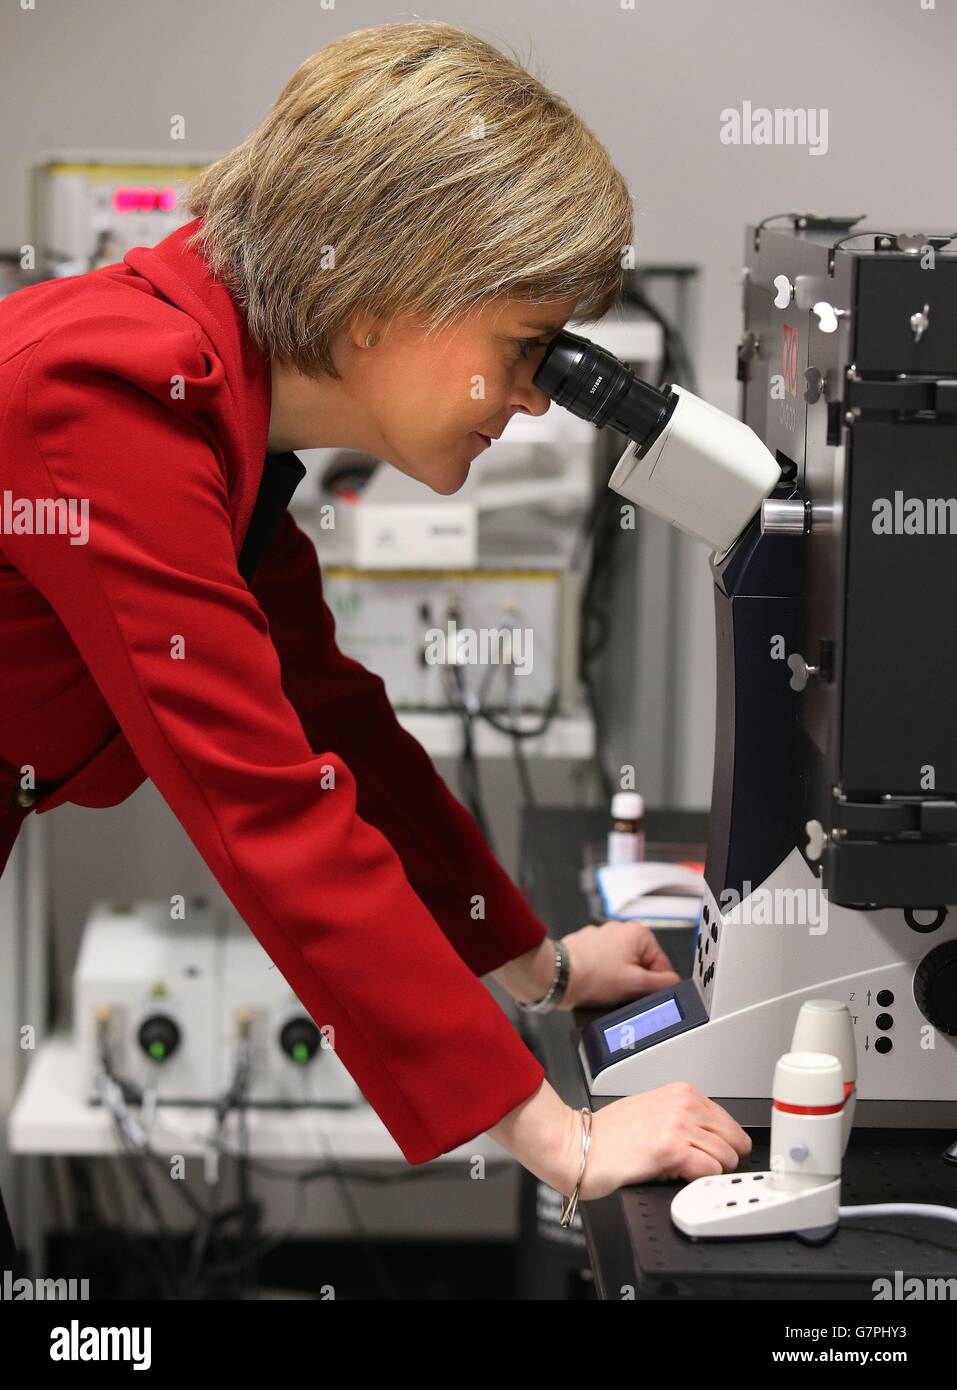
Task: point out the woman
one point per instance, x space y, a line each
378 266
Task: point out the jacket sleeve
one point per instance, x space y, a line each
181 651
343 706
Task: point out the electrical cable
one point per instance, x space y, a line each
929 1209
602 531
382 1279
462 702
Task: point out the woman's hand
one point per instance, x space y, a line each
613 964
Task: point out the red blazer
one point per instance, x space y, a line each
144 653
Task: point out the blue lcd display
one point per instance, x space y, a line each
625 1035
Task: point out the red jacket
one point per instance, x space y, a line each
144 653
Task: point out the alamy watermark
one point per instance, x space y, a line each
784 125
485 646
914 516
45 516
914 1289
772 907
23 1290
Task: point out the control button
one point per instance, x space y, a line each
885 997
159 1037
884 1021
300 1039
883 1045
714 931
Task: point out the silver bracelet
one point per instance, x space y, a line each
570 1204
556 991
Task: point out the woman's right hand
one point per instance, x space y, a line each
672 1132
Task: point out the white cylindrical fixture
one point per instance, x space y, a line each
806 1118
825 1025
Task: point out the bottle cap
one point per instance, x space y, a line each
627 806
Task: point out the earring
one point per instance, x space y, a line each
372 339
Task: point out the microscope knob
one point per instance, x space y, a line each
816 839
787 516
935 987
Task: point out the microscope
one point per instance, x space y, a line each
831 511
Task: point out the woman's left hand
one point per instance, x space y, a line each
613 964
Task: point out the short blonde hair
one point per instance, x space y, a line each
409 169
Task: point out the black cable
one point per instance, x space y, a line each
518 753
536 731
381 1277
251 1211
201 1271
593 612
142 1155
524 776
237 1263
469 781
165 1255
602 530
97 1232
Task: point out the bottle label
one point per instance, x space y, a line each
625 847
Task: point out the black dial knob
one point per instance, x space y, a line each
935 987
300 1040
159 1037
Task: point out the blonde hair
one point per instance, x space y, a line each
409 169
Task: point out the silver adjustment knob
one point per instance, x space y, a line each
800 671
783 517
816 838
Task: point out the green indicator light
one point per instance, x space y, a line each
300 1052
157 1050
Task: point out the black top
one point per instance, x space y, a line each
282 474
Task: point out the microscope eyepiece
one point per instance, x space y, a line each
701 469
591 382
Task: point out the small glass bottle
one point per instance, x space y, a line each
626 839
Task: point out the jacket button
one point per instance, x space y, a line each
26 796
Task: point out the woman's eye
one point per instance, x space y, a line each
527 345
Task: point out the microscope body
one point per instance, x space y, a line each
832 853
